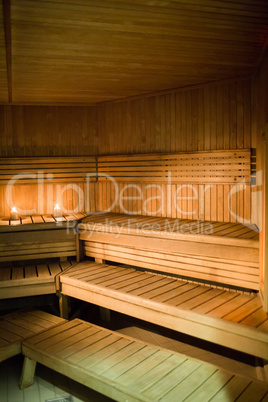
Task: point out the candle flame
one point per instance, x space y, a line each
14 209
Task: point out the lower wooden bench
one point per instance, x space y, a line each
30 280
225 317
125 369
16 326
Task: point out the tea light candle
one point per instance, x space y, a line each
14 214
57 211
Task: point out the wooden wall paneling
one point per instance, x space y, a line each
233 115
213 203
8 131
200 120
183 117
216 116
144 125
172 211
194 104
48 131
226 115
219 117
249 141
172 102
213 117
220 203
201 198
207 117
4 58
195 202
240 115
260 133
247 204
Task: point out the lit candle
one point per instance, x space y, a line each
57 211
14 214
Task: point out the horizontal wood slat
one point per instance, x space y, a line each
51 169
219 167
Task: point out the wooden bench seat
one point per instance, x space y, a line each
218 252
30 280
38 237
16 326
125 369
224 317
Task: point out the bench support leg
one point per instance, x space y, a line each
105 314
64 306
261 369
63 259
79 249
28 371
100 260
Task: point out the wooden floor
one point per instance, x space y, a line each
224 317
129 370
224 253
30 280
15 327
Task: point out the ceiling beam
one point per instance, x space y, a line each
7 27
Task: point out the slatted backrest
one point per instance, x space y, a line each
212 167
50 169
210 185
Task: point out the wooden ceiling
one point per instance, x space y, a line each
89 51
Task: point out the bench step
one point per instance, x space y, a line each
16 326
30 280
224 317
223 253
125 369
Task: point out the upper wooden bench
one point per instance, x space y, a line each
203 249
38 237
35 241
221 253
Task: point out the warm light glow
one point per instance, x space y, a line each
14 214
57 211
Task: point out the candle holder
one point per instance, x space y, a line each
14 214
57 211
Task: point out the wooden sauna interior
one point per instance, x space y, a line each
94 85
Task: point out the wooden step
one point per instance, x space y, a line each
30 280
224 317
125 369
19 325
222 253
